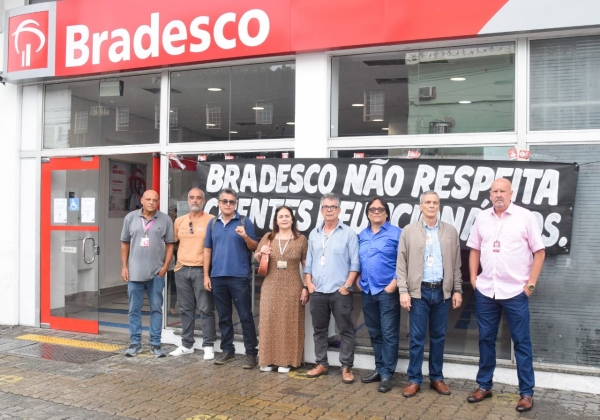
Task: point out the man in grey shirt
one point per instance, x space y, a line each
332 266
146 251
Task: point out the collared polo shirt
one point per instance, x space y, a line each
190 252
146 261
230 255
435 273
340 249
505 273
378 254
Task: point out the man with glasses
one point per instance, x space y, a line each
190 232
229 240
332 265
146 251
428 273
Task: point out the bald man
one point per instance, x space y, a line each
507 240
146 251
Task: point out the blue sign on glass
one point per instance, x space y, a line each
73 204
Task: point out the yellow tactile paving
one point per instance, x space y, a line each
72 343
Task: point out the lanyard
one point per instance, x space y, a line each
281 251
147 225
325 243
499 227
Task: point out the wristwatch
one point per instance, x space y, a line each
531 287
348 288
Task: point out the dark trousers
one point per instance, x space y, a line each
382 317
488 313
322 305
190 283
431 311
229 291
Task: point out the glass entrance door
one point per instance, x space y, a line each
69 244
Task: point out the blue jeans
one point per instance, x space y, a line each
135 292
488 312
236 290
431 310
382 317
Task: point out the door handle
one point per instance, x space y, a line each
85 260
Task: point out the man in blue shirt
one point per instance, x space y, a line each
378 249
227 274
428 273
332 266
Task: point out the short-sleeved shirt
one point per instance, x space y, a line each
504 273
340 257
191 243
230 254
378 254
146 261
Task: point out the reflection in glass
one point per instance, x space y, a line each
231 103
79 114
448 90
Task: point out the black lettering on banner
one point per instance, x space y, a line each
546 188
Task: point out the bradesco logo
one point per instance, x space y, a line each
28 42
176 38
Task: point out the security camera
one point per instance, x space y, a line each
277 127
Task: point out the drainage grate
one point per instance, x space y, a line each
60 353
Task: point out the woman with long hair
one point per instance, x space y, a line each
283 296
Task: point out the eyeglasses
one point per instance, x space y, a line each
191 228
227 202
327 208
376 210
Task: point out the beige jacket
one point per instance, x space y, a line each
409 266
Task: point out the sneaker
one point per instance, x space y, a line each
157 351
282 369
180 351
133 350
209 353
249 362
224 358
266 368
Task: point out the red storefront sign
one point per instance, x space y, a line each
86 37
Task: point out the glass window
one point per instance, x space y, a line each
449 90
107 112
567 333
233 103
565 88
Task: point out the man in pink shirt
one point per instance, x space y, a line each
508 242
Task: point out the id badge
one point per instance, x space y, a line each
145 242
281 264
429 262
322 260
496 246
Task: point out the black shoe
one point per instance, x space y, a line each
373 377
249 362
385 385
224 358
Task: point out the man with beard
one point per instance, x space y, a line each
190 232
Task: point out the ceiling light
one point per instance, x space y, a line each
358 104
458 79
171 110
233 132
385 128
464 102
215 89
378 119
290 123
210 125
258 108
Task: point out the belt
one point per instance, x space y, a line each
191 266
427 285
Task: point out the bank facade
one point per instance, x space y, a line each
89 92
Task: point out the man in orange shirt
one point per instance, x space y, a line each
190 231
